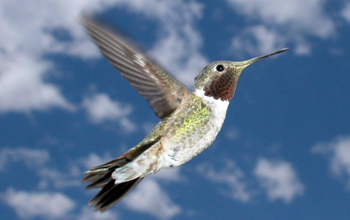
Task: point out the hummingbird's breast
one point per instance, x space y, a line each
192 128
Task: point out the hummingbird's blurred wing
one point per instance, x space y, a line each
162 91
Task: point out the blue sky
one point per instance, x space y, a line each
284 149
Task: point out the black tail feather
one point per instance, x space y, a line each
101 177
92 177
100 181
102 192
115 194
111 193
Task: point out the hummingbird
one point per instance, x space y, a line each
190 121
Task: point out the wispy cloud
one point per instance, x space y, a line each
232 133
59 179
38 160
282 22
38 204
100 108
150 198
345 12
279 179
30 157
87 213
337 151
94 159
178 35
169 175
258 39
231 176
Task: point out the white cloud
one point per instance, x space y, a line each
87 213
282 21
279 179
184 61
59 179
25 68
37 160
232 133
26 38
338 153
337 51
100 108
346 12
172 174
299 15
94 160
258 40
231 176
177 34
302 47
22 85
38 204
30 157
149 198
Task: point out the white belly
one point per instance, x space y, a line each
177 153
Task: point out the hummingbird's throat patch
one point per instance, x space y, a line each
222 87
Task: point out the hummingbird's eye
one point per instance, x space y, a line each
220 68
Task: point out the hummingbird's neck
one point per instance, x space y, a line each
222 87
218 106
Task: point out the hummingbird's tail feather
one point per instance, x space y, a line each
112 193
117 177
100 175
98 180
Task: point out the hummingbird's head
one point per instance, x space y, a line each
219 79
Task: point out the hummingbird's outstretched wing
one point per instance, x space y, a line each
162 91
